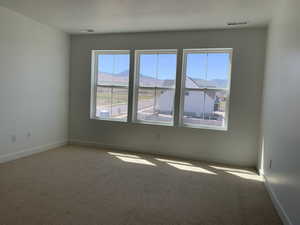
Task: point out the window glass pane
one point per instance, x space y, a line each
155 105
207 70
195 69
166 70
157 74
112 103
113 69
157 70
209 73
204 107
147 70
112 77
217 70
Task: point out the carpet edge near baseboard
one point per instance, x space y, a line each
27 152
279 208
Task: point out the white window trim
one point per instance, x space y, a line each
134 82
94 83
183 88
136 86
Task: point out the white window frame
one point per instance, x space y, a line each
95 85
137 86
133 82
183 88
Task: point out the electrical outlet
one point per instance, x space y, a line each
157 136
13 138
270 164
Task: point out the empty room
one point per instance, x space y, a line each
136 112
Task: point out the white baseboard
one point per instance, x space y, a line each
261 172
27 152
282 213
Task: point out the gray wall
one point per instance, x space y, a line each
238 145
281 111
34 64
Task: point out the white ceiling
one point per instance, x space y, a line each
105 16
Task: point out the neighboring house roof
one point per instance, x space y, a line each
216 83
198 83
189 83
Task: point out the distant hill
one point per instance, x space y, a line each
122 79
123 73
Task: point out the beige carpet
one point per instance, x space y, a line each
76 185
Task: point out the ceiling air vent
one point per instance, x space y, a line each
87 31
237 23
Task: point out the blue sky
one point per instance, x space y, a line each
163 65
199 66
113 63
208 66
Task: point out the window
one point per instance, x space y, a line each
155 79
202 101
110 85
206 85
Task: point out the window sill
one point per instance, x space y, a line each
203 127
109 120
153 123
142 122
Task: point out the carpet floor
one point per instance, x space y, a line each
86 186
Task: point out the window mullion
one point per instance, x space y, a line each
179 91
111 100
158 88
131 86
206 89
94 80
112 86
135 82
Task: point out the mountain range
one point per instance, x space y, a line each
122 79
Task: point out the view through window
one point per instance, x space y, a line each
205 88
112 74
156 77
